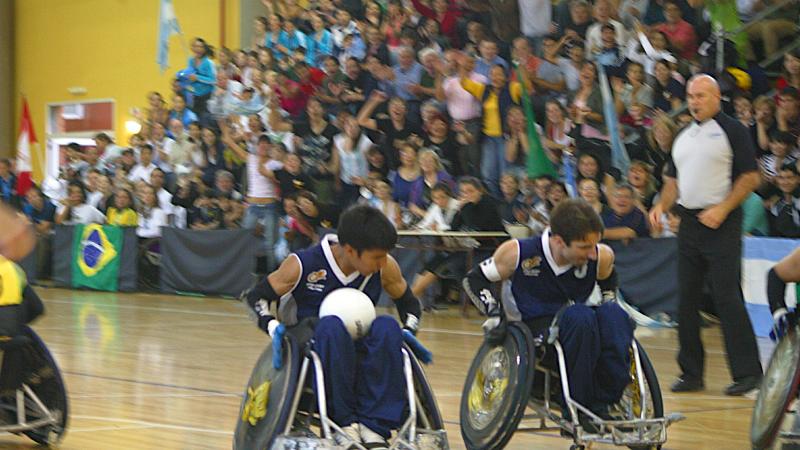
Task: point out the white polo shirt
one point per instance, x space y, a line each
707 158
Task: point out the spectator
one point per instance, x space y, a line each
788 113
314 143
432 173
202 75
659 143
157 179
782 151
262 194
589 190
384 202
447 145
489 58
182 155
164 147
784 208
143 170
350 162
668 92
42 213
319 44
74 210
121 213
680 33
586 104
443 208
504 15
462 107
8 183
180 112
91 161
765 125
206 213
407 76
754 218
557 131
624 221
406 175
322 217
106 189
445 14
602 16
497 98
108 151
397 130
640 178
790 74
635 91
157 111
510 206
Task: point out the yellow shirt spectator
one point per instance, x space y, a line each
126 217
492 125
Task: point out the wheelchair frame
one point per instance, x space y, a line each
27 403
409 436
642 431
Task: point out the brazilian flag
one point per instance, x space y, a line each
95 256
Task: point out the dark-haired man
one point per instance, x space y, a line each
364 380
560 269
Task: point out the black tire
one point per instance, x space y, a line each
425 395
42 375
778 388
262 431
495 431
654 391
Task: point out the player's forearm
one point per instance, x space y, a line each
619 233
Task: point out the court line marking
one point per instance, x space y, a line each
153 308
99 429
208 395
153 424
149 383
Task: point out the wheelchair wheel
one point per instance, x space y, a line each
778 389
630 405
429 416
267 402
41 374
496 390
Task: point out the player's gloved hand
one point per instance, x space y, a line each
276 331
494 330
782 321
412 324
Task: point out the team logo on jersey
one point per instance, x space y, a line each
580 272
530 266
313 277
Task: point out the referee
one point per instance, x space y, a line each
712 170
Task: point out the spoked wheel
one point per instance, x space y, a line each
267 401
496 390
41 374
634 399
778 388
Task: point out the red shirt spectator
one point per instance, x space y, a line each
445 14
680 33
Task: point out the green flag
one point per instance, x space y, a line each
538 163
95 256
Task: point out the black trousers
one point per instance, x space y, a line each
714 254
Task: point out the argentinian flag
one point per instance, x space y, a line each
167 26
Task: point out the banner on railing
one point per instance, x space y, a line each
218 262
85 256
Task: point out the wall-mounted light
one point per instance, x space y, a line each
133 126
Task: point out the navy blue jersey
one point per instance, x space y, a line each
540 287
319 276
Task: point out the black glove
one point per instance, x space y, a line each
494 331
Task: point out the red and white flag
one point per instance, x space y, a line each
26 144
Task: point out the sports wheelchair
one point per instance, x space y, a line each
505 380
281 408
779 390
33 398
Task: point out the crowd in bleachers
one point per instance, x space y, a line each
416 107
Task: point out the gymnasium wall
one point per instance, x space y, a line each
107 47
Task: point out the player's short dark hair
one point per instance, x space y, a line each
574 219
366 228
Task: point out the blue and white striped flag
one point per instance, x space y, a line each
167 26
619 156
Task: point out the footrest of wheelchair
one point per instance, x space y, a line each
635 432
425 440
287 442
790 437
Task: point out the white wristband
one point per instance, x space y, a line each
490 271
779 313
272 326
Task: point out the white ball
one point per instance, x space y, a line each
353 307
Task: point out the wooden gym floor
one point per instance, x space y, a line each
167 372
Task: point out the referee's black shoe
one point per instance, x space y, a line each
684 384
743 386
